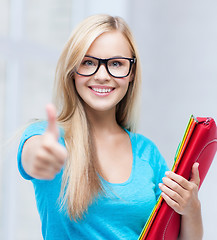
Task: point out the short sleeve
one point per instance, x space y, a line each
37 128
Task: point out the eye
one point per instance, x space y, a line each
115 63
88 63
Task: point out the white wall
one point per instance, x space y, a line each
177 42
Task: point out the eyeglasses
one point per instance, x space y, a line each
118 67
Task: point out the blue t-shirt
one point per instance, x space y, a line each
120 214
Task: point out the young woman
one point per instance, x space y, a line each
94 177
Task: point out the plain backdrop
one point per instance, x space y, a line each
177 45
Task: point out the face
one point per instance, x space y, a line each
101 91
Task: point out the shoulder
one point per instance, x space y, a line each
38 127
143 144
146 150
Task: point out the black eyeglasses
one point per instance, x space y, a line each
117 67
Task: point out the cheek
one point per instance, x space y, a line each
124 83
124 90
79 83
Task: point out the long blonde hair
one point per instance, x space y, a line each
80 182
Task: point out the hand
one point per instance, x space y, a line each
181 194
45 157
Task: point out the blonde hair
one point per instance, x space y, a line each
81 183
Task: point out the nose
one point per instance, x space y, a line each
102 74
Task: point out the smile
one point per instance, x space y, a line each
101 91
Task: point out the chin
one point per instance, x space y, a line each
101 108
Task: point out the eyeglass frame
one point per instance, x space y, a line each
105 62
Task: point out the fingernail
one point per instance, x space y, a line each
162 194
167 173
197 164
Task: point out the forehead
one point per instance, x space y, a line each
110 44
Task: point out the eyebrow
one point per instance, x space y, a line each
118 56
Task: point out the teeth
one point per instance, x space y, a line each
102 90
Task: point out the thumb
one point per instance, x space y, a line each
52 127
195 177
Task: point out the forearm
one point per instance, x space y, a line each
192 226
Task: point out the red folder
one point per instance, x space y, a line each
199 144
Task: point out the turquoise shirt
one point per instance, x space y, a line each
120 214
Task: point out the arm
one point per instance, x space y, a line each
182 196
42 155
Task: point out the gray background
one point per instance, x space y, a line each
177 42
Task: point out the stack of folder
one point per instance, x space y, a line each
199 144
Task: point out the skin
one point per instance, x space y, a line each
43 157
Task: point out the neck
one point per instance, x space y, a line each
102 123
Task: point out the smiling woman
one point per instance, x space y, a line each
89 168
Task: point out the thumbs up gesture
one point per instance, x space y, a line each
43 157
